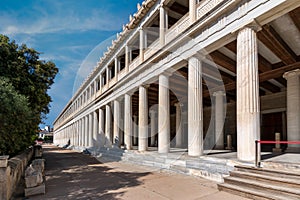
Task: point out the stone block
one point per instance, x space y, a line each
38 165
35 190
3 161
34 180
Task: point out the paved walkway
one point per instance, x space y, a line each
71 175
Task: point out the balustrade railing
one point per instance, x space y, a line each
178 28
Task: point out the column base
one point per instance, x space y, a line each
229 148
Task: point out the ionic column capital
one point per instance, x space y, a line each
292 73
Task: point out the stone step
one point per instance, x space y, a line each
254 193
282 180
291 167
255 184
269 172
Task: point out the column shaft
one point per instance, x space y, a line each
135 130
142 45
248 110
90 130
163 115
219 119
86 131
117 113
153 127
102 137
195 110
192 10
162 25
127 121
108 125
143 119
293 106
179 132
95 129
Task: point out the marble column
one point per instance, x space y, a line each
95 128
142 45
248 109
117 113
163 114
108 125
117 67
107 75
143 118
101 121
220 103
86 131
179 132
80 132
90 130
153 127
135 130
195 109
127 122
293 106
127 61
163 24
102 138
192 10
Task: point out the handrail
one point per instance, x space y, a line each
257 154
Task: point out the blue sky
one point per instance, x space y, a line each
71 33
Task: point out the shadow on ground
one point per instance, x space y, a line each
71 175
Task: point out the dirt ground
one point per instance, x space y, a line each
72 175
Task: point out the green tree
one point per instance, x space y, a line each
29 76
15 119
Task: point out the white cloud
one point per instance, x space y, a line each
40 20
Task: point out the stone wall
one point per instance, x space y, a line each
11 172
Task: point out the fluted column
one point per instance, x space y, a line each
293 106
179 132
117 122
90 130
153 126
95 128
101 121
135 130
195 109
127 121
248 109
86 131
108 124
219 119
143 119
81 132
163 114
77 132
102 138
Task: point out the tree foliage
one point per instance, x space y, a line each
29 77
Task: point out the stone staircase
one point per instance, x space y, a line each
280 182
207 167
